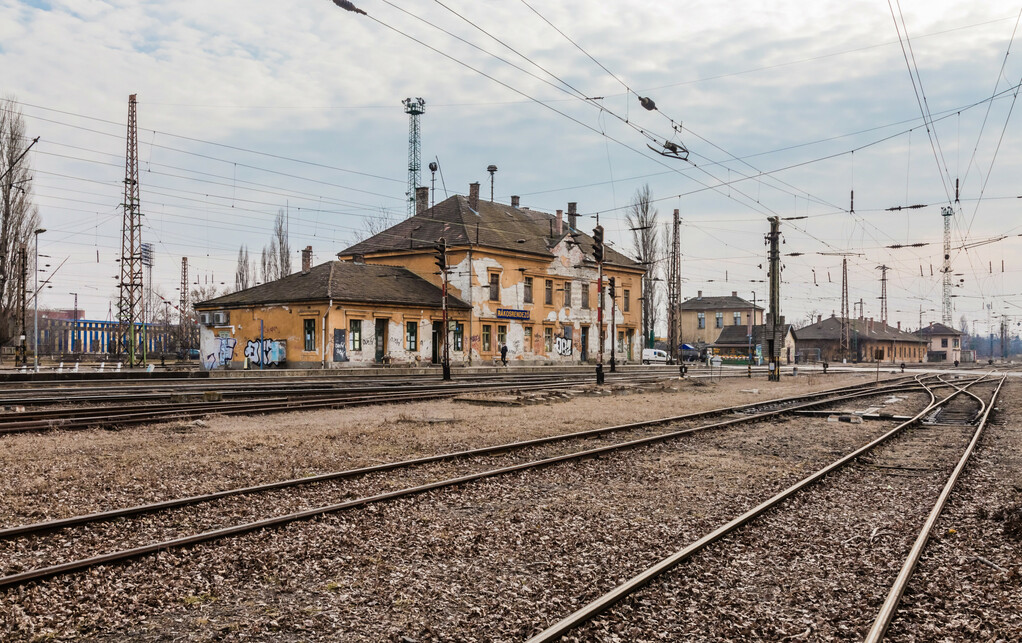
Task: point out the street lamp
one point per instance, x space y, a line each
35 337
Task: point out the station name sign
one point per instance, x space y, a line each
512 313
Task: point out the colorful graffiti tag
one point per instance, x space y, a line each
223 352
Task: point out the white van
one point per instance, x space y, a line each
654 356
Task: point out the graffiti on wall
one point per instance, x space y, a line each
562 343
264 355
223 352
340 345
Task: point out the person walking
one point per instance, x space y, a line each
503 354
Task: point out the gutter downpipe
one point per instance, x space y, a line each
326 316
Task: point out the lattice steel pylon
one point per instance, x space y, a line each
947 212
183 305
414 108
883 293
129 307
674 290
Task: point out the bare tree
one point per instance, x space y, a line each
373 225
642 220
243 272
19 217
283 244
808 319
268 262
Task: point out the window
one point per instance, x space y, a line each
943 342
625 305
309 326
548 339
528 290
738 319
567 294
486 338
702 320
528 339
501 334
548 298
585 296
494 286
355 332
459 336
411 335
954 342
621 341
720 320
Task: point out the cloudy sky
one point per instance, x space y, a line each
249 107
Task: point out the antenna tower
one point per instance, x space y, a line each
845 310
414 108
674 290
129 307
883 293
947 212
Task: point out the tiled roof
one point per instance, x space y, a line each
830 330
342 281
493 225
739 335
717 303
937 328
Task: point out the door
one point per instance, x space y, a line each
584 344
438 339
381 339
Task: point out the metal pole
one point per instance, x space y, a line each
35 336
599 323
74 329
262 349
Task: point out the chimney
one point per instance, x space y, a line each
473 195
573 215
306 260
559 227
515 200
734 293
421 199
819 319
899 325
699 294
358 258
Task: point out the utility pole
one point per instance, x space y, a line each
845 311
22 294
674 291
776 320
129 307
74 331
414 108
613 326
441 262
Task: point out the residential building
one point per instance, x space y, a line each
735 342
944 344
703 318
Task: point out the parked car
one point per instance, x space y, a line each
654 356
188 353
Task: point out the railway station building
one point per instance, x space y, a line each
529 278
868 341
516 277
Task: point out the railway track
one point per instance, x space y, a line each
526 455
94 408
630 601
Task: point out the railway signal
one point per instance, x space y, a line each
598 244
441 254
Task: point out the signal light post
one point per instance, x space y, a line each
441 262
598 256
